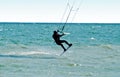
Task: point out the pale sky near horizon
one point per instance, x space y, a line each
90 11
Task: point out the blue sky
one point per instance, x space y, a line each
92 11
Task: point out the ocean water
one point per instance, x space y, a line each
28 50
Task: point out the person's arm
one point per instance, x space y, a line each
62 35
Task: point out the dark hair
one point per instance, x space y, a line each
55 31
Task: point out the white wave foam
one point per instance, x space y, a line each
33 53
28 53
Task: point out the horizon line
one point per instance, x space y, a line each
67 23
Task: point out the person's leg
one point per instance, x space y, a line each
64 41
63 47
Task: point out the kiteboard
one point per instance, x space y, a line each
65 51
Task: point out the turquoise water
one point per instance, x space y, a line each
28 50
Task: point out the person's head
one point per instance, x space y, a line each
55 32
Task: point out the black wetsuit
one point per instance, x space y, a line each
56 37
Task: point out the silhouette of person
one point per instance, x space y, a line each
56 36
